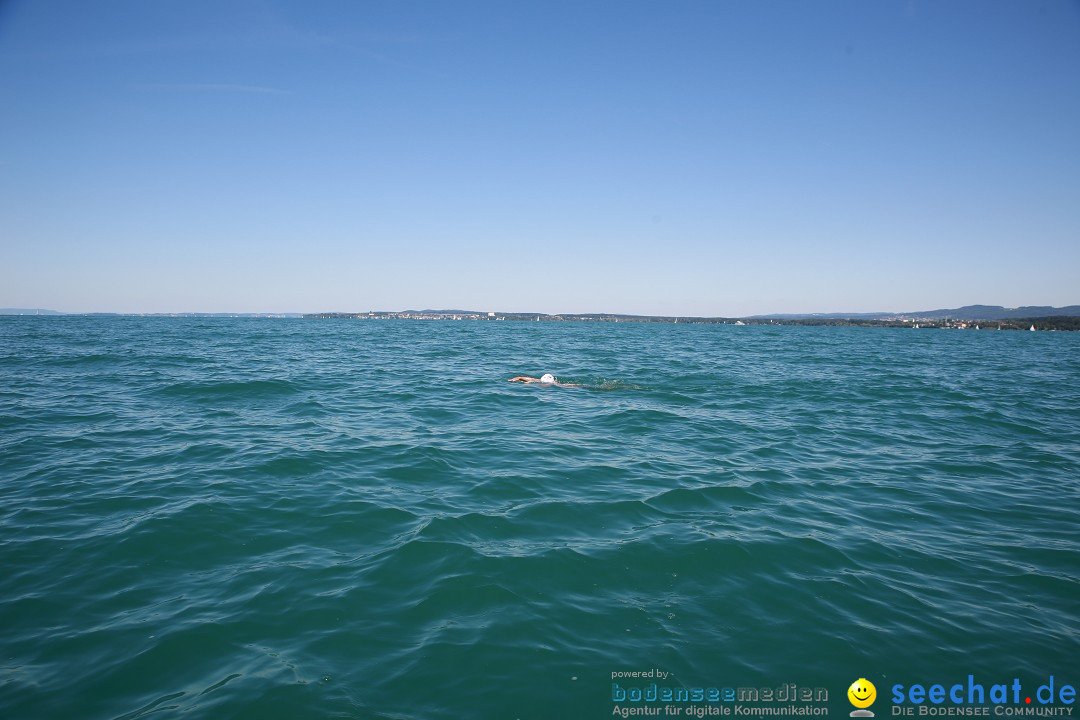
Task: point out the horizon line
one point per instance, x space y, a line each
18 311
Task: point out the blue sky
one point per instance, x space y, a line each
691 158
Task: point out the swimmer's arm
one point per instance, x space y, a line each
524 379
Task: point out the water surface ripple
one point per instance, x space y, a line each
362 519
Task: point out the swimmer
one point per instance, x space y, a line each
546 379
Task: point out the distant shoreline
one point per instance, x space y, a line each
972 317
1056 322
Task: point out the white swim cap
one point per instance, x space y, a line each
547 379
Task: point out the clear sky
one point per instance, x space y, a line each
663 157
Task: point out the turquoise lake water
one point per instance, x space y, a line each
271 518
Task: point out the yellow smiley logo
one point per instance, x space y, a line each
862 693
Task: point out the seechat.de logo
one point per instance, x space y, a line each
862 694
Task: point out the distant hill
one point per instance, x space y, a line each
996 312
28 311
968 312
